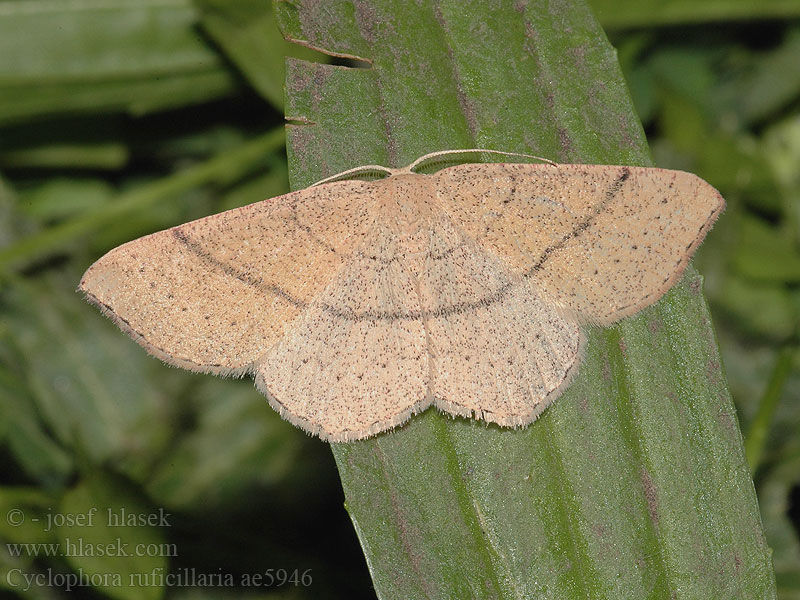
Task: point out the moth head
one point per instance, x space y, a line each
409 201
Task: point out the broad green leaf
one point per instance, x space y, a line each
83 56
634 484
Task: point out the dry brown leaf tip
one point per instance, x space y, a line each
356 304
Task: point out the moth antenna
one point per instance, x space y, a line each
433 155
350 173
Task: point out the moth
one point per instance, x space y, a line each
355 304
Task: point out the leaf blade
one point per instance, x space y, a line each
586 501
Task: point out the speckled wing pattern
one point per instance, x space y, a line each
417 318
215 294
500 351
601 241
355 363
357 304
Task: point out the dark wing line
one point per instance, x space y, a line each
232 271
307 229
583 225
433 257
414 315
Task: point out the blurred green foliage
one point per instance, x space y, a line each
721 100
104 109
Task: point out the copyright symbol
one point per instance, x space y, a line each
15 517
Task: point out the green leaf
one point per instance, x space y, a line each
247 32
79 56
60 197
229 166
68 142
12 225
115 539
86 156
27 516
770 81
27 533
74 387
759 310
766 253
41 457
759 428
781 148
634 484
235 446
647 13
